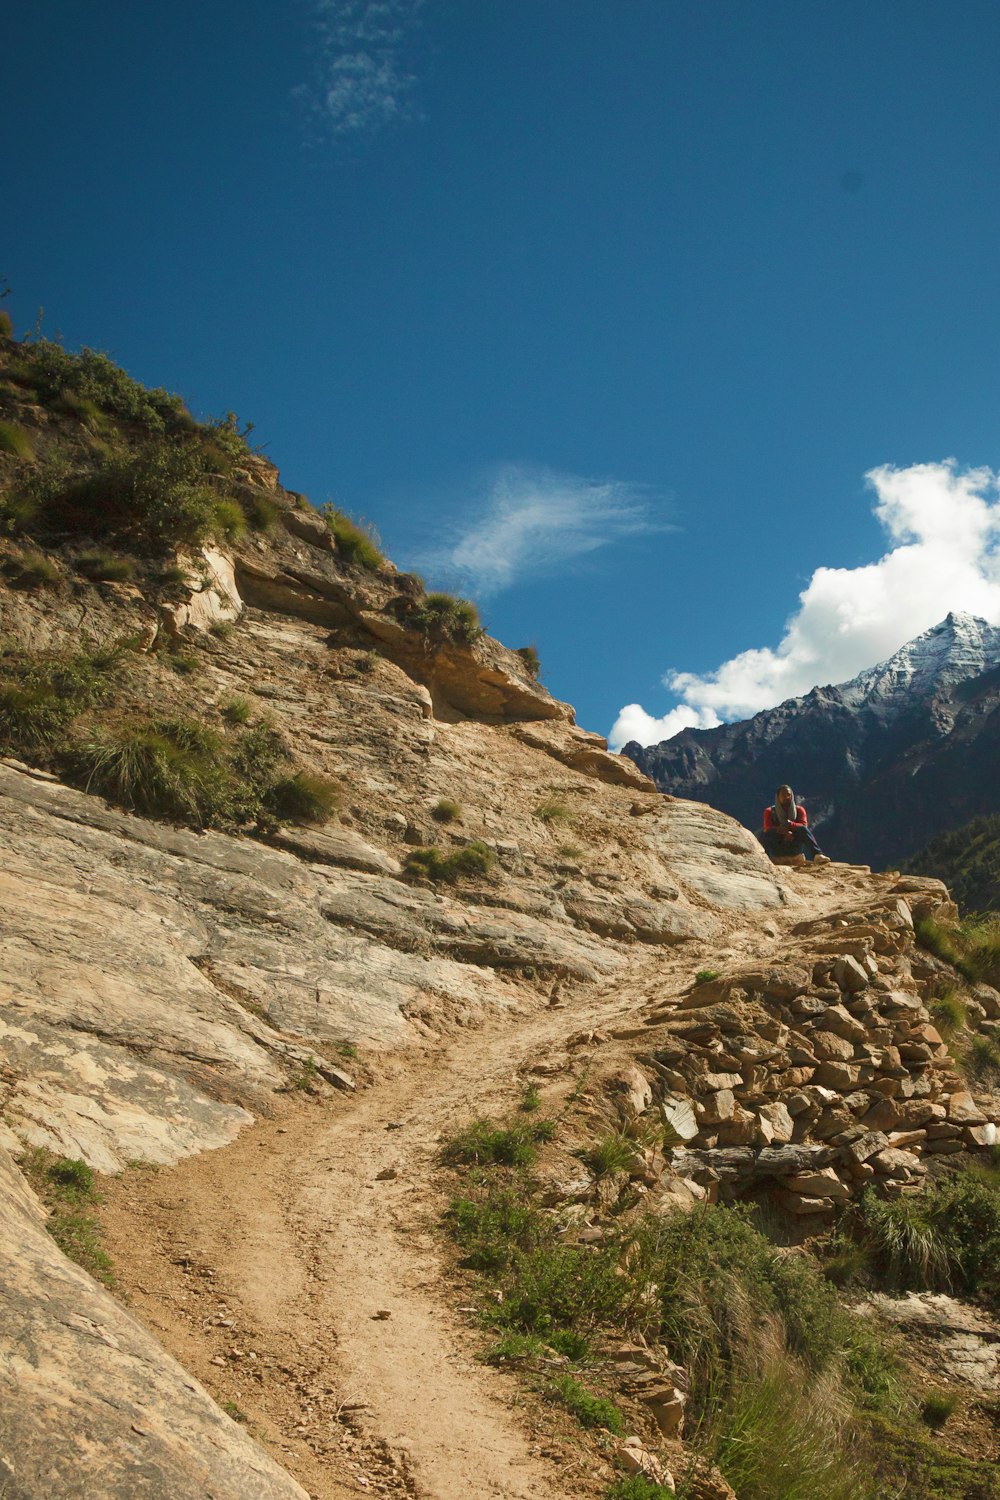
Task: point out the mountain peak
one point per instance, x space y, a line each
960 647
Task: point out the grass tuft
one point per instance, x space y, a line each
589 1410
446 811
531 660
552 810
105 567
356 542
68 1189
305 798
430 864
614 1152
937 1407
704 976
442 617
14 440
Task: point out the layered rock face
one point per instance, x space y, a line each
161 986
884 763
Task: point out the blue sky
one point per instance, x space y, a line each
601 310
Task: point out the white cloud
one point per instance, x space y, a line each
534 522
634 723
943 528
364 76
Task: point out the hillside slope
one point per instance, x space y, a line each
356 879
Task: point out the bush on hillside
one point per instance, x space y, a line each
356 543
14 440
430 864
442 617
57 375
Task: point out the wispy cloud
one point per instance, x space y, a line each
530 522
942 524
364 76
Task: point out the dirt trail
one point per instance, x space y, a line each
298 1272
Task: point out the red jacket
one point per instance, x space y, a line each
800 819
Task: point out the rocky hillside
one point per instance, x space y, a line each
886 762
303 876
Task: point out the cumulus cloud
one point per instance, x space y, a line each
364 76
534 521
942 525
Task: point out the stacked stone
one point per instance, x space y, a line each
820 1077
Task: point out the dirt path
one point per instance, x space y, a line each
298 1273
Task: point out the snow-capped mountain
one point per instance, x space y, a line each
960 648
908 749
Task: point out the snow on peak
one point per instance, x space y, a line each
961 647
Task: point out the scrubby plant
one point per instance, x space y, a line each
430 864
68 1188
153 499
937 1407
705 976
221 629
980 1059
530 658
14 440
6 325
588 1409
948 1012
946 1238
82 408
40 694
446 811
305 798
172 769
442 617
229 521
531 1099
638 1487
553 810
235 710
105 567
356 543
484 1142
260 511
612 1153
31 570
55 374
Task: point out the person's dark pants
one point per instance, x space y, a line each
801 842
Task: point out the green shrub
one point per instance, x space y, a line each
19 510
171 769
937 939
704 976
153 500
105 567
32 570
445 811
589 1410
442 617
82 408
778 1439
937 1407
355 543
948 1012
235 710
68 1189
229 520
531 1099
552 810
944 1239
638 1487
484 1142
57 375
304 798
14 440
430 864
260 512
41 694
613 1153
530 658
513 1348
225 441
980 1059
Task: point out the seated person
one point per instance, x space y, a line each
786 829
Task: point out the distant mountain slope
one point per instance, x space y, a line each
968 858
885 763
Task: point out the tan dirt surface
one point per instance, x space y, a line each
300 1272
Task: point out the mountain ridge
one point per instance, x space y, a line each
885 762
